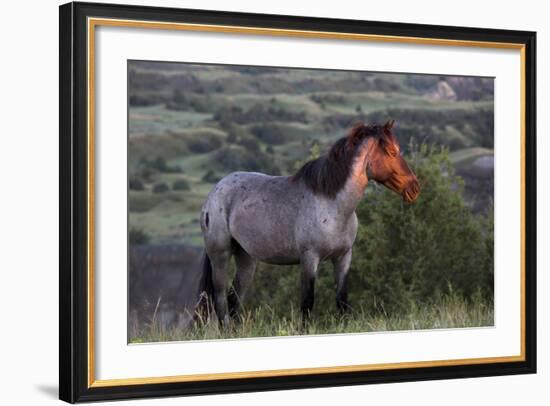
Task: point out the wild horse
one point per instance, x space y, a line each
301 219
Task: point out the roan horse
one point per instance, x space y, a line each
301 219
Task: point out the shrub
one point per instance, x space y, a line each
135 184
178 96
231 138
250 143
211 177
331 98
181 184
188 102
160 187
235 132
138 237
229 159
145 100
148 167
202 144
270 133
258 113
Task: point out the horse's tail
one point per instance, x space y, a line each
206 288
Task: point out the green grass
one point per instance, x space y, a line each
158 120
448 312
378 101
169 217
467 155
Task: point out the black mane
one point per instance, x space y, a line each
327 174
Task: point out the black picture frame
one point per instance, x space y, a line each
74 200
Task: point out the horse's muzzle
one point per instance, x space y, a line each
411 192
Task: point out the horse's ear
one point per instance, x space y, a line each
389 125
388 140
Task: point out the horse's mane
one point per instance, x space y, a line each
327 174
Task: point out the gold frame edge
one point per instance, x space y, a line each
91 25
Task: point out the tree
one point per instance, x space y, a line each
136 184
138 237
181 184
178 96
160 187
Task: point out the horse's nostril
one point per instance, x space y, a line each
412 191
415 186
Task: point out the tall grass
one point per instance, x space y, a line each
451 311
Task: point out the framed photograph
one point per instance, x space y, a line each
257 202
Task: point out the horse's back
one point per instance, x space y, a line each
236 187
257 211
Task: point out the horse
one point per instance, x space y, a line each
304 219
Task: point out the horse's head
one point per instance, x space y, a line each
386 165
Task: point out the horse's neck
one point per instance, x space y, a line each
351 194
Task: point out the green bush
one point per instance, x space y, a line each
188 102
148 167
211 177
250 143
258 113
144 100
160 187
270 133
138 237
237 158
181 184
202 144
135 184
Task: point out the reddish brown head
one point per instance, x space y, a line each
386 165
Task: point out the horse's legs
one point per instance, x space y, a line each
341 267
220 270
246 266
309 261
